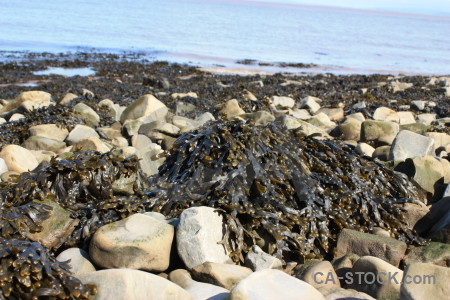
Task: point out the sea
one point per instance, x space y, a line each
221 33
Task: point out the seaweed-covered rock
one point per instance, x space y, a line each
295 193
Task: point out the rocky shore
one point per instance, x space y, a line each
151 180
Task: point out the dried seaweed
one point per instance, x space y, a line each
295 193
29 271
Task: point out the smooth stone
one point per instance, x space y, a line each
92 143
231 109
67 98
258 118
112 108
351 129
318 274
184 95
198 290
56 228
10 176
357 116
110 133
382 153
2 120
301 114
18 159
406 117
433 253
182 108
335 114
142 143
3 166
16 117
418 104
271 284
321 120
80 132
127 284
346 294
51 131
344 264
441 139
43 143
258 260
386 114
131 127
249 96
224 275
136 242
146 105
310 103
426 119
365 149
198 234
398 86
382 283
415 127
381 131
37 98
304 128
413 213
360 243
87 114
87 94
149 161
433 282
183 122
78 260
151 128
408 144
282 101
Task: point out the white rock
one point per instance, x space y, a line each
3 166
79 260
386 114
406 117
126 284
146 105
282 101
18 159
184 95
198 290
86 113
400 86
365 149
425 281
67 98
51 131
34 99
16 117
258 260
310 103
92 143
198 235
426 118
80 132
408 144
418 104
273 284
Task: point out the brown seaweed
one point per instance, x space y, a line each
294 193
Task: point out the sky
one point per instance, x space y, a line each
438 7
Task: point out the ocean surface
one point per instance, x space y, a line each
210 33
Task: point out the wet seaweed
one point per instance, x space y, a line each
293 194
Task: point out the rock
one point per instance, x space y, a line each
198 234
301 114
408 144
10 176
87 94
80 132
425 170
413 213
56 228
87 114
3 166
343 294
381 131
67 98
360 243
232 109
358 116
79 260
150 161
153 128
131 127
433 253
365 149
344 265
310 103
304 128
273 284
386 114
426 118
34 99
2 120
382 153
258 260
119 142
110 133
183 122
397 86
146 105
335 114
351 129
247 95
322 121
224 275
125 184
143 143
16 117
182 108
51 131
415 127
317 273
381 232
406 117
377 278
282 102
441 139
18 159
425 281
137 242
43 143
184 95
92 143
112 109
418 104
133 285
258 118
198 290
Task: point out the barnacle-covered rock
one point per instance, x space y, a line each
28 271
294 193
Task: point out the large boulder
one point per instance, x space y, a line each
273 284
146 105
18 159
133 285
137 242
198 236
408 144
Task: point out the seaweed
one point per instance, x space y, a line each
293 193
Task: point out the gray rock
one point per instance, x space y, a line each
146 105
408 144
273 284
382 153
198 235
258 260
18 159
360 243
150 160
79 260
137 242
182 108
310 103
431 282
51 131
415 127
224 275
198 290
304 128
381 131
80 132
86 113
351 129
258 118
151 129
345 294
133 285
426 119
301 114
321 120
43 143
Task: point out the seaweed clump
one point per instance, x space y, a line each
290 194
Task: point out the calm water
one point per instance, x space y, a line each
221 32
